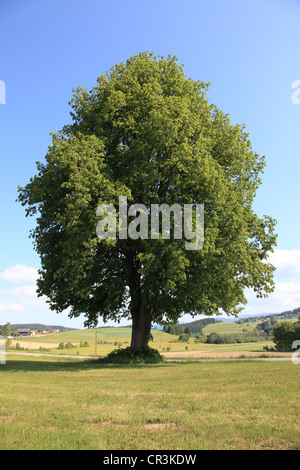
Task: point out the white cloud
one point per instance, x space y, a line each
20 274
27 291
287 263
20 295
26 295
19 302
12 307
286 295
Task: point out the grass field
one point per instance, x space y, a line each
112 338
229 327
72 404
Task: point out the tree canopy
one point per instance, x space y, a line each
147 132
285 334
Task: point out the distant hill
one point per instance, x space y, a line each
228 324
38 326
194 326
286 315
198 325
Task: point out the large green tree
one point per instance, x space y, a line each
285 333
147 132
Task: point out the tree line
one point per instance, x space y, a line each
274 317
189 328
283 333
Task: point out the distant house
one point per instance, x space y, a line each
24 332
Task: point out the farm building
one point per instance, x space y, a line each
24 332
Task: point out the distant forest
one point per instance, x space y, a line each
263 330
283 316
189 328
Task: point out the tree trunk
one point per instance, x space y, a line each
141 325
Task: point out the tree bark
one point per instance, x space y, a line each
141 325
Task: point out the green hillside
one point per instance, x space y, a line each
229 328
97 341
112 334
37 326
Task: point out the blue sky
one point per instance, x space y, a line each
247 49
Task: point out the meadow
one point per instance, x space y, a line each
61 403
102 341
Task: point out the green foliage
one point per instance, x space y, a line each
198 325
67 345
269 348
266 327
285 333
184 337
200 338
147 132
227 338
6 330
173 329
189 328
9 346
128 355
41 348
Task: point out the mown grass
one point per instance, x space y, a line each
73 404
